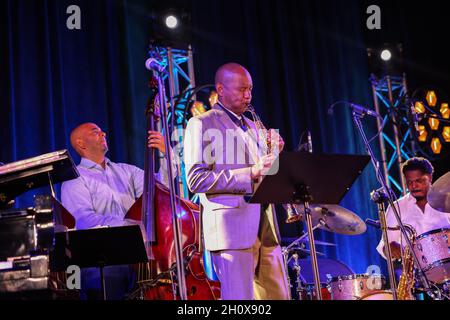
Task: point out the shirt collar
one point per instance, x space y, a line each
410 198
89 164
234 114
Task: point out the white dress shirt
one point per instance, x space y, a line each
412 215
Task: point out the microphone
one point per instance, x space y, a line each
414 117
154 65
374 223
377 224
363 110
310 150
355 107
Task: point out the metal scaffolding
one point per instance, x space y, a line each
397 143
179 79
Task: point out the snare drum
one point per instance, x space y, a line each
379 295
355 286
432 250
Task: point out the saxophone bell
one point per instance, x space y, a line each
406 281
292 213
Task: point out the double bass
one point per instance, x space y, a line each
156 280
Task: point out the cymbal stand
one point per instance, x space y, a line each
303 236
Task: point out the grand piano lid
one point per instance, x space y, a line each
21 176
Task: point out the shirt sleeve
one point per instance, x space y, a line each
137 176
76 198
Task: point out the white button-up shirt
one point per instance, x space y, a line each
412 215
102 197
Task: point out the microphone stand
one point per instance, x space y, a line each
357 116
303 194
181 278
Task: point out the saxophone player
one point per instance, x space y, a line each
243 238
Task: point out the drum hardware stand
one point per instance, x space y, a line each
303 236
285 251
357 116
302 194
298 271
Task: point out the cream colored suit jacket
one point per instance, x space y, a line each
219 171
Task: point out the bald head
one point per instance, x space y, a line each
88 140
234 86
225 72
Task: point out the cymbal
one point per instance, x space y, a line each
439 195
336 219
317 242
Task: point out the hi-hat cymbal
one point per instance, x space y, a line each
317 242
336 219
439 195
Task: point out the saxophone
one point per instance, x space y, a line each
291 210
406 282
266 136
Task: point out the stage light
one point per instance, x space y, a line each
171 21
431 98
386 59
423 134
445 111
197 108
446 134
170 26
419 107
386 55
434 123
433 112
436 145
213 98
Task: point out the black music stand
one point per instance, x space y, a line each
307 178
98 248
47 169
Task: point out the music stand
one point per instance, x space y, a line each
98 248
310 179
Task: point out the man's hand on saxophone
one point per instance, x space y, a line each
277 142
262 167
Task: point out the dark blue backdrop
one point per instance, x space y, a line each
303 55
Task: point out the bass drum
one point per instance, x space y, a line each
378 295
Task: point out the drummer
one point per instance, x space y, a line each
413 208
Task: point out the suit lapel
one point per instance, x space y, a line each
246 142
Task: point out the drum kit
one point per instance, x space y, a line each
339 282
